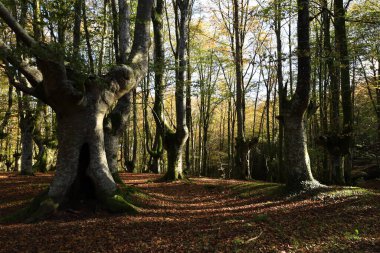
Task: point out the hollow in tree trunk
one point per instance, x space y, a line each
81 103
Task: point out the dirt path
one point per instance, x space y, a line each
206 215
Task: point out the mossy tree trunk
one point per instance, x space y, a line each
81 102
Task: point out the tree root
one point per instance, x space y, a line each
171 178
117 204
39 208
117 179
42 206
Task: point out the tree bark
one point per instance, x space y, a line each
346 93
174 142
241 153
299 176
81 108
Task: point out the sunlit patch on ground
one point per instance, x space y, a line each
200 215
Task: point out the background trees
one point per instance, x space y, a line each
220 74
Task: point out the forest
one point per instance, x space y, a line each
189 126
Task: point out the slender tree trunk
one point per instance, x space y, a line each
241 160
41 159
342 48
282 92
117 120
77 24
135 142
27 146
26 125
88 43
189 122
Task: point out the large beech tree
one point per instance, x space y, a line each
296 154
80 102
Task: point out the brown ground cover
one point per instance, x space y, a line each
200 215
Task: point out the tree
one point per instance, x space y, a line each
116 121
80 102
174 141
346 93
159 69
299 175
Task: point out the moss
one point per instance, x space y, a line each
123 200
117 204
117 179
261 218
346 192
38 208
47 207
247 190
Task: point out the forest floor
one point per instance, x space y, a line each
201 215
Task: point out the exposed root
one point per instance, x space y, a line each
171 177
123 200
39 208
117 204
117 179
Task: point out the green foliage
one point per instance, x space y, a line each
352 235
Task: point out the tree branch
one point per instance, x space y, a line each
138 59
16 27
32 74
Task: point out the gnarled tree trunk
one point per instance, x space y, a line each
81 103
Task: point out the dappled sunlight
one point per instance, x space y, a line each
207 212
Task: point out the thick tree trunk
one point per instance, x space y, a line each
114 125
175 142
297 159
299 176
175 170
81 161
81 152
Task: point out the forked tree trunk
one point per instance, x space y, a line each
174 142
81 152
82 167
